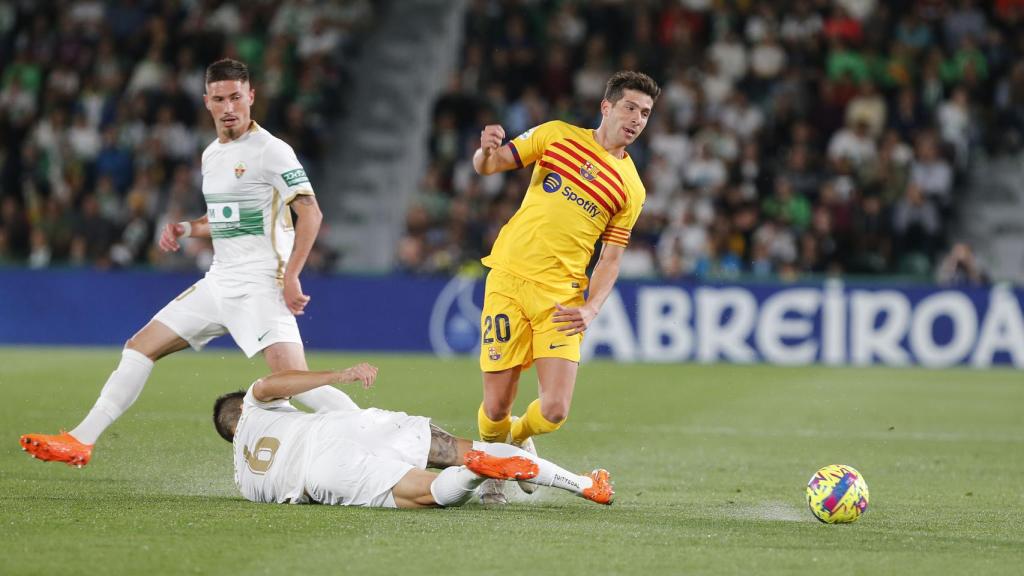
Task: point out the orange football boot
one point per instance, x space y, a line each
602 491
61 447
510 468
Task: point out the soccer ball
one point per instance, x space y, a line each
837 494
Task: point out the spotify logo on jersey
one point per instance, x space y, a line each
552 182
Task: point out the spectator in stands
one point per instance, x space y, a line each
40 252
706 172
800 173
853 143
932 174
682 245
889 176
908 117
960 267
93 235
870 235
916 225
723 259
955 124
730 56
14 230
869 107
776 243
787 208
830 94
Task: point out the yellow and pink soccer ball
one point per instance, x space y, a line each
837 494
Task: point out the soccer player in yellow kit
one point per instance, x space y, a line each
584 187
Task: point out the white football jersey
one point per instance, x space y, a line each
348 457
272 450
248 184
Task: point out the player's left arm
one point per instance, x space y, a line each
198 228
306 229
289 383
493 157
282 170
606 272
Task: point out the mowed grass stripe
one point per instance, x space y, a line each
709 463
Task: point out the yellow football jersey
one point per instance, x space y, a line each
578 193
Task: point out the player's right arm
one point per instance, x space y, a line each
289 383
492 157
200 228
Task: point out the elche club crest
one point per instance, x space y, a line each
588 170
239 170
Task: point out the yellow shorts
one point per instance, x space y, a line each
516 325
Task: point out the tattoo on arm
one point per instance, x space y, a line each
304 199
444 449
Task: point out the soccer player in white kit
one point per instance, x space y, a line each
252 182
371 457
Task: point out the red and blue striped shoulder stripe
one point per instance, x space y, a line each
616 235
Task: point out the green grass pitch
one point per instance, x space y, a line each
710 464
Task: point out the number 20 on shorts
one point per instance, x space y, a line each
499 326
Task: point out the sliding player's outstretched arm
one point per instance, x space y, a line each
292 382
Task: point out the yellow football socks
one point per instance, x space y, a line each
491 431
532 423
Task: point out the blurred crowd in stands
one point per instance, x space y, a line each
102 123
792 138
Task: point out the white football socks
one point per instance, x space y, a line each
454 486
118 394
550 474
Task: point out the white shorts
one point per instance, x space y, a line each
255 320
358 457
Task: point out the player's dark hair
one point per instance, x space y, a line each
226 412
630 80
227 69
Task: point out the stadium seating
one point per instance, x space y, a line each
102 121
792 138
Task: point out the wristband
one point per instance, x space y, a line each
188 229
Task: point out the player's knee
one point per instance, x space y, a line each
555 412
496 409
133 344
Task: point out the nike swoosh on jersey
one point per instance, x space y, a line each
553 346
260 339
